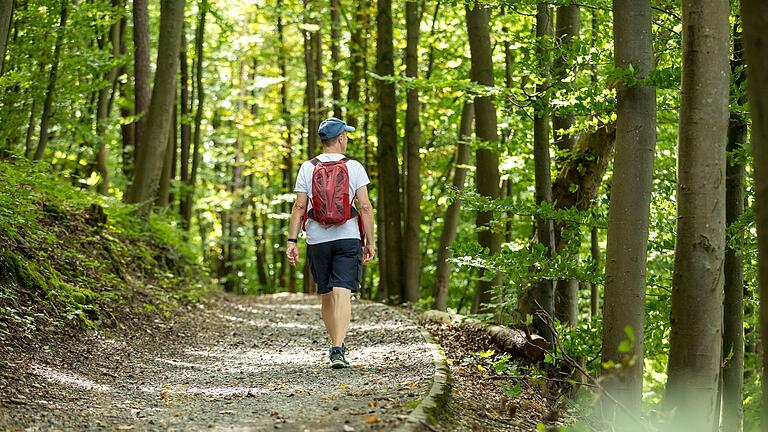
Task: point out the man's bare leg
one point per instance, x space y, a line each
337 312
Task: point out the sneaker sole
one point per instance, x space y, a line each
339 365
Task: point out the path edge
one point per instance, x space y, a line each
426 414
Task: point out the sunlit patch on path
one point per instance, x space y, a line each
240 364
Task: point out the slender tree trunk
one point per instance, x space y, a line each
141 89
357 52
155 140
568 27
6 15
30 129
594 289
697 284
543 293
412 143
127 130
186 128
50 91
487 160
310 94
733 305
389 181
755 21
287 168
260 239
627 241
103 108
451 223
335 84
197 140
164 192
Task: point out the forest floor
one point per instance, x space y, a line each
234 363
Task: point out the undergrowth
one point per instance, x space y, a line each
70 257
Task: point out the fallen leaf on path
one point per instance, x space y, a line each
371 418
125 427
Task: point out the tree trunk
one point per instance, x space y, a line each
127 130
389 180
543 292
697 284
412 143
49 92
594 289
451 223
357 52
186 128
164 192
627 241
733 304
287 166
6 15
103 108
335 85
155 139
755 21
487 160
568 26
30 129
310 94
197 140
260 239
141 90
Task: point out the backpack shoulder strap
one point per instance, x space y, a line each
345 159
315 161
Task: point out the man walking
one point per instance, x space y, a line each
334 230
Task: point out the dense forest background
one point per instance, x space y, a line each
531 162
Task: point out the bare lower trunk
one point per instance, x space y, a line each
412 263
451 223
629 210
481 72
697 285
733 304
543 293
755 20
53 76
594 289
141 90
6 14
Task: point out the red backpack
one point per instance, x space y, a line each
331 203
330 192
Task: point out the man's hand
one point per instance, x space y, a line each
369 253
293 253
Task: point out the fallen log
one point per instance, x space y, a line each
511 340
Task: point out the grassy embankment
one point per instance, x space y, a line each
71 259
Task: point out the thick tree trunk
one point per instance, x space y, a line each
335 84
197 140
755 18
568 27
413 160
6 15
155 139
697 284
629 209
141 89
451 223
543 292
733 305
51 90
389 181
487 160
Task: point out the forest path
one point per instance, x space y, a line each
239 363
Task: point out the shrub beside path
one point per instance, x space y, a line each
237 363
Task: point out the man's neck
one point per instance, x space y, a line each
332 150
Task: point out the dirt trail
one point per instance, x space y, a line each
241 363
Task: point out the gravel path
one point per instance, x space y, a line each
240 363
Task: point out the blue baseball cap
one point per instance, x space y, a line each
332 127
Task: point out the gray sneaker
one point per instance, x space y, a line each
337 357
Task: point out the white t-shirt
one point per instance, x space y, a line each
316 232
